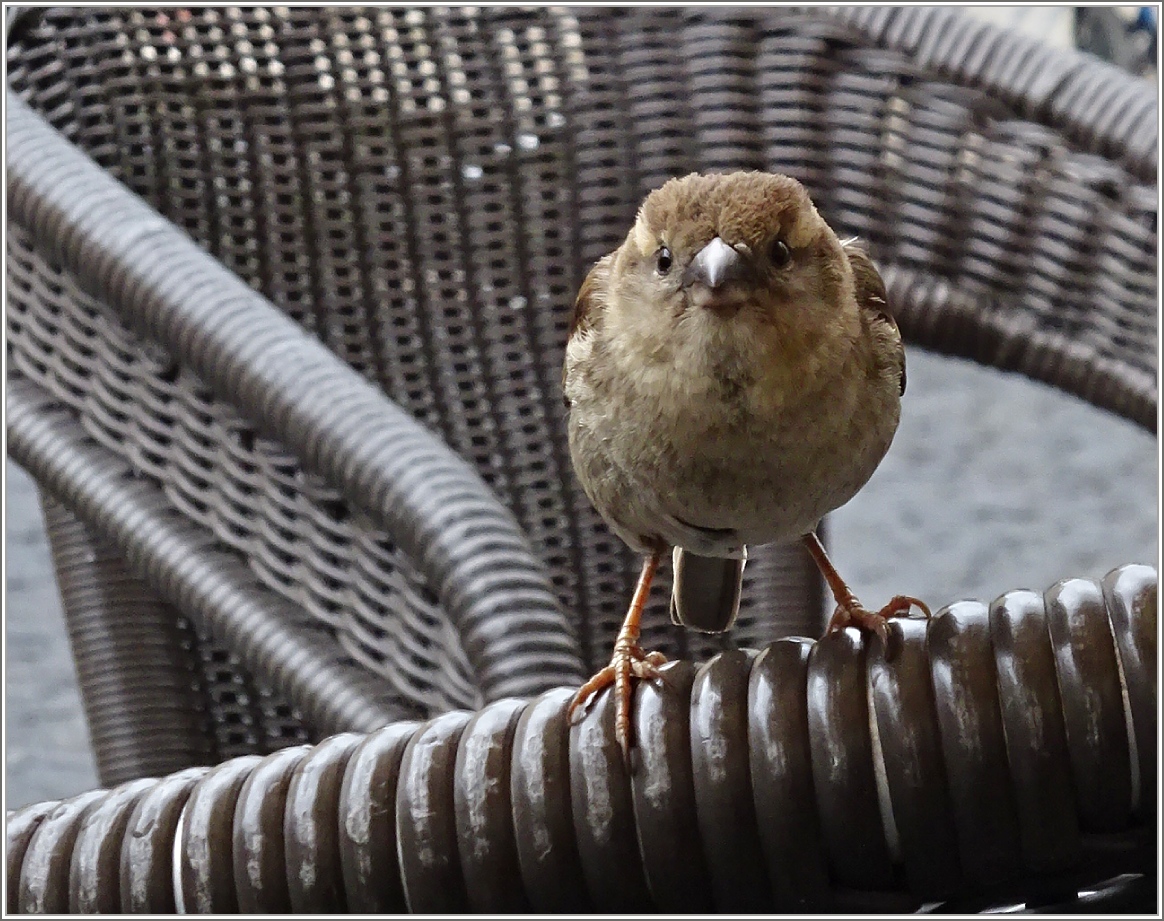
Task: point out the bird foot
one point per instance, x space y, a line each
629 661
854 614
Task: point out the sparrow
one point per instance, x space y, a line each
732 374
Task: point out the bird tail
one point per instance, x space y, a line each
705 592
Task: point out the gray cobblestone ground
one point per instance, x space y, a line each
993 483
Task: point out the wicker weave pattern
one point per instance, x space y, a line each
294 654
244 489
293 530
285 125
424 189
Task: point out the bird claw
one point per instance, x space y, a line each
629 661
855 615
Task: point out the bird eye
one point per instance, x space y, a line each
663 261
780 254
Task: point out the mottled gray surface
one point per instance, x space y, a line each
993 483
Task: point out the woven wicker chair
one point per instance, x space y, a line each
288 290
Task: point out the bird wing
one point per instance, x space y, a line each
872 300
585 303
586 308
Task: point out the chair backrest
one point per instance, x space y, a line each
405 185
425 189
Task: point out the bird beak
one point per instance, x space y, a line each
714 265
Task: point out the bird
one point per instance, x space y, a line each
732 374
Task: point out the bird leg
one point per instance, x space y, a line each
628 660
850 612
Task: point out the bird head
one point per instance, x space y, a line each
739 257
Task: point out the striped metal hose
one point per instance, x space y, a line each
1002 748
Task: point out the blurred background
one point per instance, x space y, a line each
987 472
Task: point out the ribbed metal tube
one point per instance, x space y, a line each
437 508
178 561
1098 104
135 658
807 776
